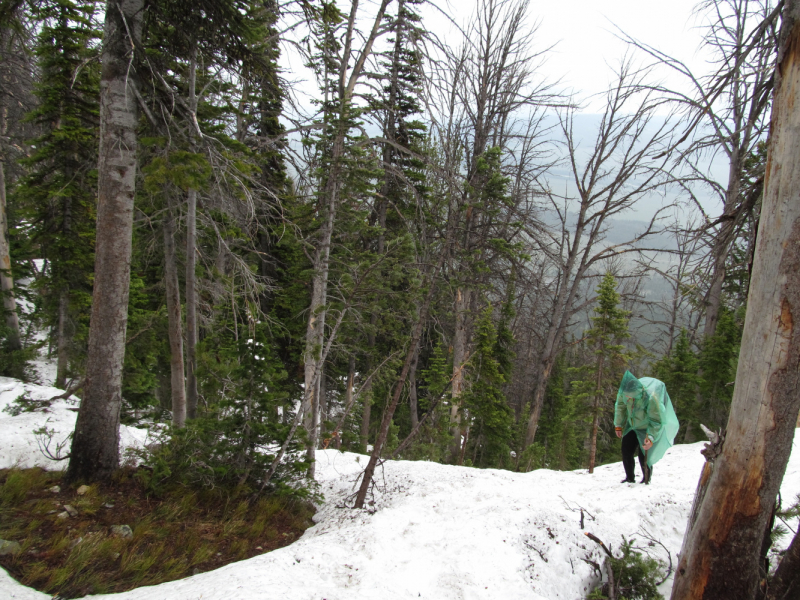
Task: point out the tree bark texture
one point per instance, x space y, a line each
785 584
191 263
460 341
63 341
95 445
6 279
191 305
413 404
721 554
315 331
177 375
366 416
63 308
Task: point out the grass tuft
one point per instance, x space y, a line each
177 534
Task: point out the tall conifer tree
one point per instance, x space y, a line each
597 386
59 194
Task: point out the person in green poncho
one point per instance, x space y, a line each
646 422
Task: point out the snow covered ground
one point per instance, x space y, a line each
18 444
431 531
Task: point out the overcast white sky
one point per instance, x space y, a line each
583 32
583 35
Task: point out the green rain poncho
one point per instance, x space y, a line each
644 406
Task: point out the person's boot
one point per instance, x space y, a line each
626 480
647 474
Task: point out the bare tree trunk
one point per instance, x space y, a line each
460 341
412 391
62 360
323 397
596 419
538 397
191 305
95 445
191 264
366 416
315 331
388 413
785 584
177 375
63 310
6 279
348 394
721 249
721 556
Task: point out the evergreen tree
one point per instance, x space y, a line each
59 194
561 430
678 371
718 361
597 386
484 402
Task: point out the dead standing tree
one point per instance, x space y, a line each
625 166
726 112
351 69
491 99
721 551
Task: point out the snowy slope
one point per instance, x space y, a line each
18 444
444 532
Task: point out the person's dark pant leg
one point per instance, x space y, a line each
630 445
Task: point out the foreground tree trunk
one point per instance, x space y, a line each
177 375
721 552
6 280
95 445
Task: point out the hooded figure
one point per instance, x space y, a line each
646 422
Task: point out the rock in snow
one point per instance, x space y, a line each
442 532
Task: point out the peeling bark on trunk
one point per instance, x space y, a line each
95 445
177 375
721 556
